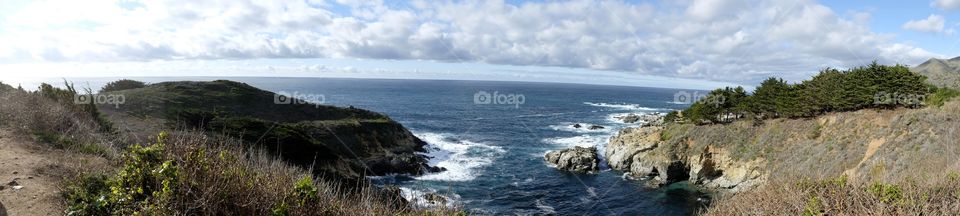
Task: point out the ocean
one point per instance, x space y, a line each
491 137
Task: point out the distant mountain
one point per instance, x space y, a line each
941 72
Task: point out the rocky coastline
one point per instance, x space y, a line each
641 153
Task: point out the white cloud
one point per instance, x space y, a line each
728 40
946 4
932 24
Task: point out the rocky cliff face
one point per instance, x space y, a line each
865 145
641 153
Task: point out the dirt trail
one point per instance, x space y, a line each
31 173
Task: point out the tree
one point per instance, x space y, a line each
768 97
122 84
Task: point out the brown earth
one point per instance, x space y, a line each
40 170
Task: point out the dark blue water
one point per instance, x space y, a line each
494 151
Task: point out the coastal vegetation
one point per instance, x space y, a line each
832 90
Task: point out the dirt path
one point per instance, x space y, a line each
31 174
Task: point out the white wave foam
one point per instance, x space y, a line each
586 140
584 128
622 106
417 198
461 158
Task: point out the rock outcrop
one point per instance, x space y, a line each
640 152
577 159
340 142
649 119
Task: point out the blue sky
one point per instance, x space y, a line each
888 16
683 44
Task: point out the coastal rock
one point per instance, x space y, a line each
577 159
641 153
649 119
435 199
630 119
654 119
714 168
595 127
394 195
628 144
3 210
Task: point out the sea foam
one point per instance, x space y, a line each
461 158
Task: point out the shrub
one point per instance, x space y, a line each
887 193
941 96
122 84
143 185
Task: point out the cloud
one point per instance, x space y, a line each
946 4
932 24
724 40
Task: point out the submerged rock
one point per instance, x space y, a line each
577 125
595 127
576 159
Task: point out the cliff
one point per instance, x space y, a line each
348 143
865 145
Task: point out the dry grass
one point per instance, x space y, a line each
935 196
58 122
224 179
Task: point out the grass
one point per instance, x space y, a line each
830 196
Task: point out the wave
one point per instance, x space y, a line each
586 140
417 197
622 106
461 158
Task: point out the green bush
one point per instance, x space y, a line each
887 193
941 96
122 84
306 190
142 186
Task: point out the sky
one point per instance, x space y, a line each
698 44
